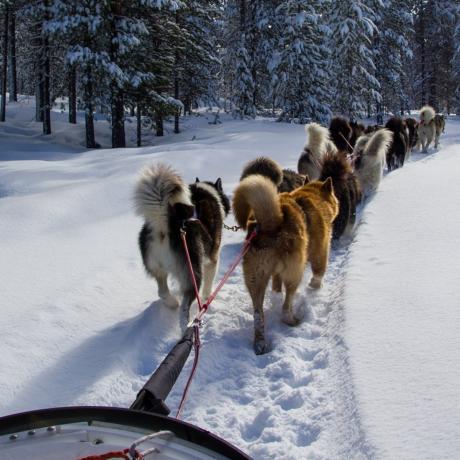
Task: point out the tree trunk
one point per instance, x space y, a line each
72 95
118 119
46 88
39 78
422 53
39 95
254 38
188 105
118 109
13 86
159 124
433 96
88 100
176 116
176 79
139 124
4 67
243 16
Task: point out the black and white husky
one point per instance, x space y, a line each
168 205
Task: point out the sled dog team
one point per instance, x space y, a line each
296 214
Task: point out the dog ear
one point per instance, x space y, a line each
218 185
307 179
327 186
197 180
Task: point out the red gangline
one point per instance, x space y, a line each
224 279
204 308
183 234
196 350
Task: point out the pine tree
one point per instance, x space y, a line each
12 72
197 63
353 67
456 61
240 82
392 47
300 62
4 73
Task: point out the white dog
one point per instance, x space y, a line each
369 154
426 128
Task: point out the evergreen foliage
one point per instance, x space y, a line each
298 60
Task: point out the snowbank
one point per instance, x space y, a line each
402 306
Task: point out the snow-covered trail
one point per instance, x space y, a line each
299 395
81 323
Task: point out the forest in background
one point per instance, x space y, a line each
298 60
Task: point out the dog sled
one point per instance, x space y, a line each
144 431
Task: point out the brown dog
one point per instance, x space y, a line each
279 249
320 206
285 179
347 191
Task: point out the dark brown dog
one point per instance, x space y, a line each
347 190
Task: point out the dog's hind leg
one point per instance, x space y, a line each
436 139
256 286
209 273
277 284
163 290
189 296
187 300
318 260
288 316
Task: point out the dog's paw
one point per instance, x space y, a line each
290 319
170 301
316 283
260 347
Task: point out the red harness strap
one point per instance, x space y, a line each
183 235
204 307
123 454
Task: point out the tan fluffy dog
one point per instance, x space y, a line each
320 207
430 128
279 249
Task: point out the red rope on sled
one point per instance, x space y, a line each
183 235
244 250
204 307
196 351
123 454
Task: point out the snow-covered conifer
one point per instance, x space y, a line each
300 61
353 66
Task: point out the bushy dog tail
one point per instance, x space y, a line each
360 145
257 197
427 114
265 167
319 141
378 144
159 187
337 167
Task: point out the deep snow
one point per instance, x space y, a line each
81 323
